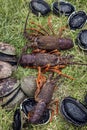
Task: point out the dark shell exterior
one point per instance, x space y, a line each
29 105
5 70
62 7
14 99
39 7
77 20
7 48
7 86
85 99
17 120
82 39
28 85
74 111
5 100
11 59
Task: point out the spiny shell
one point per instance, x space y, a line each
63 7
7 86
74 111
28 85
39 6
82 39
28 105
77 20
7 48
5 70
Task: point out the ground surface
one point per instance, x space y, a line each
12 18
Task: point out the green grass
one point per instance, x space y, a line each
12 19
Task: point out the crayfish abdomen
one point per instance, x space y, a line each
39 110
50 43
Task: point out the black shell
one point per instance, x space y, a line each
62 7
85 99
82 39
17 120
39 6
74 111
29 105
11 59
77 20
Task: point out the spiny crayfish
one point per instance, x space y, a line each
44 41
47 62
44 100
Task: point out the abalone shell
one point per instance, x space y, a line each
63 7
39 7
82 39
77 20
74 111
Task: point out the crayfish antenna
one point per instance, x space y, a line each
25 47
26 23
76 63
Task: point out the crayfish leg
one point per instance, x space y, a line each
39 51
34 29
41 27
40 81
60 73
61 31
46 68
51 108
55 52
50 25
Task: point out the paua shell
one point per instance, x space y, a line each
5 70
63 7
11 59
39 7
17 120
29 105
7 48
77 20
82 39
28 85
74 111
7 86
13 100
10 93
